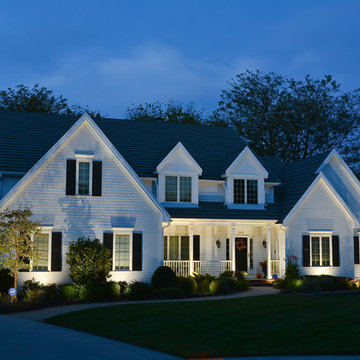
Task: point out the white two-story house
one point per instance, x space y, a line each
194 198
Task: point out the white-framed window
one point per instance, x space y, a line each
245 191
42 243
178 188
176 247
83 176
320 250
122 245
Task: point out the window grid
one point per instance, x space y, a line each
320 251
170 188
177 247
174 248
184 249
239 191
165 248
252 191
42 248
122 252
185 189
84 178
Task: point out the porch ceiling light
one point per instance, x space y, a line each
264 243
218 243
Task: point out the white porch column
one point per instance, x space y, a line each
233 247
191 249
268 245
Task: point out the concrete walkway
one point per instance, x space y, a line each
43 314
26 339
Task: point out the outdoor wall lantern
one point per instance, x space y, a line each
218 243
264 244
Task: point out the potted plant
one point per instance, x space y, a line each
264 267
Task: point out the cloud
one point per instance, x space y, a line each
151 72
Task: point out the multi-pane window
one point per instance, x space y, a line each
185 189
239 191
122 252
176 247
245 191
320 250
171 188
42 248
178 188
84 178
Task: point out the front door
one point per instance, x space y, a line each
241 254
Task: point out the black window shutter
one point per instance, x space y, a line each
335 249
137 252
25 260
227 249
196 248
70 177
56 261
306 250
356 250
97 178
108 243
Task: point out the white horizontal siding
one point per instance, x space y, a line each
211 191
77 216
320 211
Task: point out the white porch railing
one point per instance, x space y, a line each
215 268
275 267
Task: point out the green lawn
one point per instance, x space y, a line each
266 325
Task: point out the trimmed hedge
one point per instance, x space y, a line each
163 277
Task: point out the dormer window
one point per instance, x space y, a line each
245 191
178 188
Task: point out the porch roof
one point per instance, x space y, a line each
217 210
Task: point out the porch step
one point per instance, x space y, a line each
260 282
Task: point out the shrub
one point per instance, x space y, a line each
113 290
5 298
89 261
34 296
353 284
168 293
6 280
241 285
187 284
292 268
218 287
203 286
51 292
163 277
31 284
138 290
229 274
69 291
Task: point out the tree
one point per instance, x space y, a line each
172 112
16 240
89 261
41 100
287 118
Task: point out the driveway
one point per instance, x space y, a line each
27 339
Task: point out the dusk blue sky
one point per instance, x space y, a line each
110 54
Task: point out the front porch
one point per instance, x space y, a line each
215 246
215 268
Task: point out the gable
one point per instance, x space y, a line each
179 160
246 164
320 199
82 136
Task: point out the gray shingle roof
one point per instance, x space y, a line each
26 137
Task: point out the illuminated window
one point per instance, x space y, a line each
122 252
178 188
41 263
320 251
245 191
176 247
84 178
